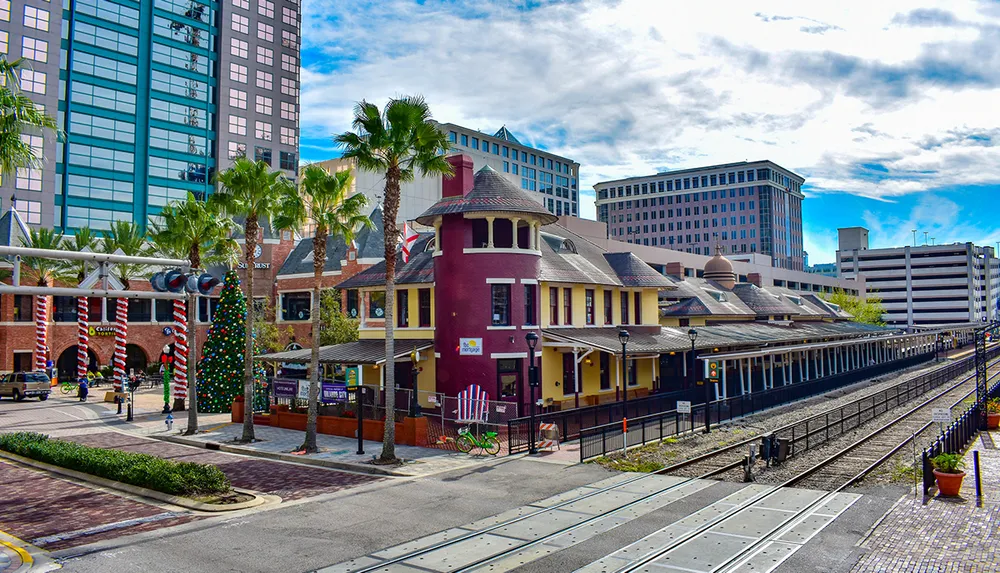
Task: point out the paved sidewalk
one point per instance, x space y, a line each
335 451
946 535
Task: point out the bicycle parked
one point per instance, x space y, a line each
69 386
487 442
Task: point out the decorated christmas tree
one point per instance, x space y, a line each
220 371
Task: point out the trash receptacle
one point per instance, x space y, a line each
782 450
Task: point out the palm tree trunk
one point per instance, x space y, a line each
391 203
319 261
192 427
250 235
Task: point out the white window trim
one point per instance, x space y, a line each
500 281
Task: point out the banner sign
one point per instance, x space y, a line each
285 388
101 330
353 375
333 392
303 390
470 347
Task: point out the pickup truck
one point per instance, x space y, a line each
21 385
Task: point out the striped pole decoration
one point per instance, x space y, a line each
121 337
83 338
41 325
180 350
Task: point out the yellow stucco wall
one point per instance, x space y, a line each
650 312
413 307
590 377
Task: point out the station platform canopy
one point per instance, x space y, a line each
675 339
369 351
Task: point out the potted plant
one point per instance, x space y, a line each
993 413
947 470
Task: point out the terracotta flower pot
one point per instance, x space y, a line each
949 484
993 421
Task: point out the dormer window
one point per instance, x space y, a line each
718 295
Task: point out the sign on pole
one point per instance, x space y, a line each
941 415
353 375
683 407
713 371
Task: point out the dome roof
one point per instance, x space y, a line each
720 269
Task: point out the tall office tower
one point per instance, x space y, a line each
154 96
746 207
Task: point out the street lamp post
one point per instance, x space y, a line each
532 339
693 335
623 338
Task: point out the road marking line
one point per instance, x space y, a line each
50 539
24 555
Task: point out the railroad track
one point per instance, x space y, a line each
815 430
852 463
473 556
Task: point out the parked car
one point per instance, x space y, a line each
21 385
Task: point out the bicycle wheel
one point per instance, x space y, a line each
66 388
464 443
491 445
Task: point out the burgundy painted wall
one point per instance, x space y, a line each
464 308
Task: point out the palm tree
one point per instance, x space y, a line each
192 229
252 191
18 114
84 240
400 141
130 240
324 202
45 272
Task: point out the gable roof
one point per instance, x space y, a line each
418 270
491 193
763 302
13 229
369 242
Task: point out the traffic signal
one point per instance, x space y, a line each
176 281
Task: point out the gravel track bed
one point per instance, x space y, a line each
851 464
694 444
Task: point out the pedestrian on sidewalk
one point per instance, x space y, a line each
83 390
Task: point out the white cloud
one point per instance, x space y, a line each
632 86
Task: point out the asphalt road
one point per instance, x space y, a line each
307 533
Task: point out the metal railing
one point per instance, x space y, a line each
809 433
955 438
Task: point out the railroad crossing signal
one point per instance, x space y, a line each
713 372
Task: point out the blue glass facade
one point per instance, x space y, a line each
138 112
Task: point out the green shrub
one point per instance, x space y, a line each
948 463
144 470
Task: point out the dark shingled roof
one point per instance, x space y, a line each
491 193
369 242
762 302
634 272
369 351
419 269
688 307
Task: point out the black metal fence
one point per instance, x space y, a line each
955 438
600 440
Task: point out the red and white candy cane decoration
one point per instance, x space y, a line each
83 338
41 325
180 350
121 337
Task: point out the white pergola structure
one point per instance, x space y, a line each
816 360
99 285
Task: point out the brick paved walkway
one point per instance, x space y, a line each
36 506
943 536
285 480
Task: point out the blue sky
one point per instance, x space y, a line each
889 108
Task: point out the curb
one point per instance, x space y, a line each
32 558
348 466
141 491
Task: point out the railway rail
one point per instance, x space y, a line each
704 466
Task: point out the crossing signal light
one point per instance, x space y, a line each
176 281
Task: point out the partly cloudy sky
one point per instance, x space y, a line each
890 109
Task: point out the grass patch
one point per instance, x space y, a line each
628 463
902 473
143 470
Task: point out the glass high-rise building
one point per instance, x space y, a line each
153 97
